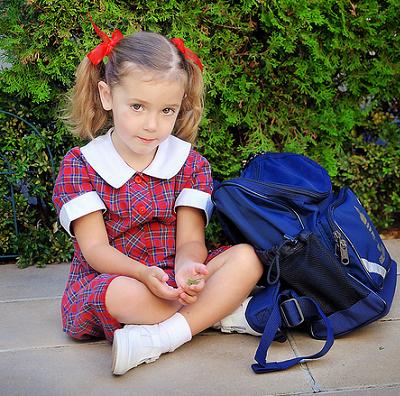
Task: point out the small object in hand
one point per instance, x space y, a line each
192 281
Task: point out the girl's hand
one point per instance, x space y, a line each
190 280
156 281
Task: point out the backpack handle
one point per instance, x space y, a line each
293 311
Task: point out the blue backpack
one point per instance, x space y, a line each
326 267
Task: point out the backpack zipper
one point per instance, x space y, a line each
341 248
251 192
346 240
297 190
293 190
340 243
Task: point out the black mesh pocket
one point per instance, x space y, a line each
312 270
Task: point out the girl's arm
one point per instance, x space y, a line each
91 235
191 253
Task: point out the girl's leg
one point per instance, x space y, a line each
233 275
130 301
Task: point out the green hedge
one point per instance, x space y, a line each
315 77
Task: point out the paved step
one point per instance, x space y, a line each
37 358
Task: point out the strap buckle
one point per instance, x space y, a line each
292 314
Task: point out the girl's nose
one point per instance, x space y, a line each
151 123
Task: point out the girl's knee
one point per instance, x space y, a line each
124 287
131 302
245 256
241 260
245 252
121 293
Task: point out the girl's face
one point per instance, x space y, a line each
144 113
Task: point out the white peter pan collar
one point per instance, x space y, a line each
102 156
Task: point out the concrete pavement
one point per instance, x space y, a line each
36 358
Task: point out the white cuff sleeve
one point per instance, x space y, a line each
78 207
196 199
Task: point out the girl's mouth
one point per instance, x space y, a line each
146 140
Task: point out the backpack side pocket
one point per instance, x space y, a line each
313 271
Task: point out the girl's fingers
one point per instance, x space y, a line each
195 289
169 293
163 290
162 276
182 302
186 299
201 269
191 290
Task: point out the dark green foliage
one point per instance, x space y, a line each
29 166
284 75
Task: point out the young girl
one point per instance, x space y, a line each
136 201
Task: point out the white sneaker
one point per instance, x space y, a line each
134 345
236 322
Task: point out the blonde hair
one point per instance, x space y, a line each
148 51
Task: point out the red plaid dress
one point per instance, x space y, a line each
139 215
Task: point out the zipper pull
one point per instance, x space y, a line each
341 244
344 254
290 238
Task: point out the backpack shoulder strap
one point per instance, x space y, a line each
290 310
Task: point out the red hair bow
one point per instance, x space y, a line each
187 53
102 50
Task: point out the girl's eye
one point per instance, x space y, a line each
168 111
136 107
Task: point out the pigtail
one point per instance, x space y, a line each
192 106
86 115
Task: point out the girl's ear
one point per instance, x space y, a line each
105 95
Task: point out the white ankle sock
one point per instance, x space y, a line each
174 332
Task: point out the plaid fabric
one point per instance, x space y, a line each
83 310
140 222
